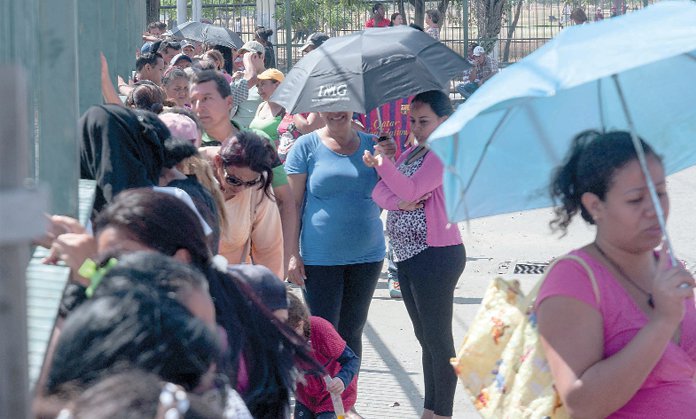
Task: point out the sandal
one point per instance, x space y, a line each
394 288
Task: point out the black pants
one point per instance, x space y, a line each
427 285
342 295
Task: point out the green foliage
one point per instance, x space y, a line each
322 15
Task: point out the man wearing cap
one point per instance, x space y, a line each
188 48
246 110
211 100
168 49
181 60
482 70
313 42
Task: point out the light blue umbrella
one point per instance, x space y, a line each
635 72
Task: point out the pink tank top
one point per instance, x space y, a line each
669 391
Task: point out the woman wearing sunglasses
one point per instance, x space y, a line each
244 170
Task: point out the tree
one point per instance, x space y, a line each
511 30
328 16
488 15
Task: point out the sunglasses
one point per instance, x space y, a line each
235 181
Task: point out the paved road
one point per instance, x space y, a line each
391 382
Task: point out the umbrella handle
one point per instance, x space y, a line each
644 167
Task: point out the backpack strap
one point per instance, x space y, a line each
595 287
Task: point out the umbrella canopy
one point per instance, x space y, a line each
361 71
205 32
501 146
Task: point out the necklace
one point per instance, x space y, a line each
616 266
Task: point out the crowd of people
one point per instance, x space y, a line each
210 196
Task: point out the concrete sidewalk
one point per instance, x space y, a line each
391 381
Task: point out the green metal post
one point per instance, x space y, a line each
465 24
89 40
57 94
288 35
19 29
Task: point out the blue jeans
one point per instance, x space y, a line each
392 270
302 412
467 89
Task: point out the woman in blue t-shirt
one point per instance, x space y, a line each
341 238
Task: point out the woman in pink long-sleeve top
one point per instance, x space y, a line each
427 249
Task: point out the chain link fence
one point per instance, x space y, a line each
525 26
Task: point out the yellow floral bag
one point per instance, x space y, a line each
501 361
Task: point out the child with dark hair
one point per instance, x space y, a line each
341 363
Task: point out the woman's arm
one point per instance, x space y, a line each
573 340
288 216
108 89
384 197
267 237
410 189
309 124
295 268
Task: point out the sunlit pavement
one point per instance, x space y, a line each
391 381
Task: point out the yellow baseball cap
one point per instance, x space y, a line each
272 74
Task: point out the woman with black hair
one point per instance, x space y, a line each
244 169
134 394
132 328
620 333
140 219
147 96
187 285
120 149
263 36
143 220
422 239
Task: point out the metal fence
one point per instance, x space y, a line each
526 25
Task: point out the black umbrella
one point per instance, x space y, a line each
205 32
361 71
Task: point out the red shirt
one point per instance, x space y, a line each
327 347
381 24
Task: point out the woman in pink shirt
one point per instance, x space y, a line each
626 349
428 250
